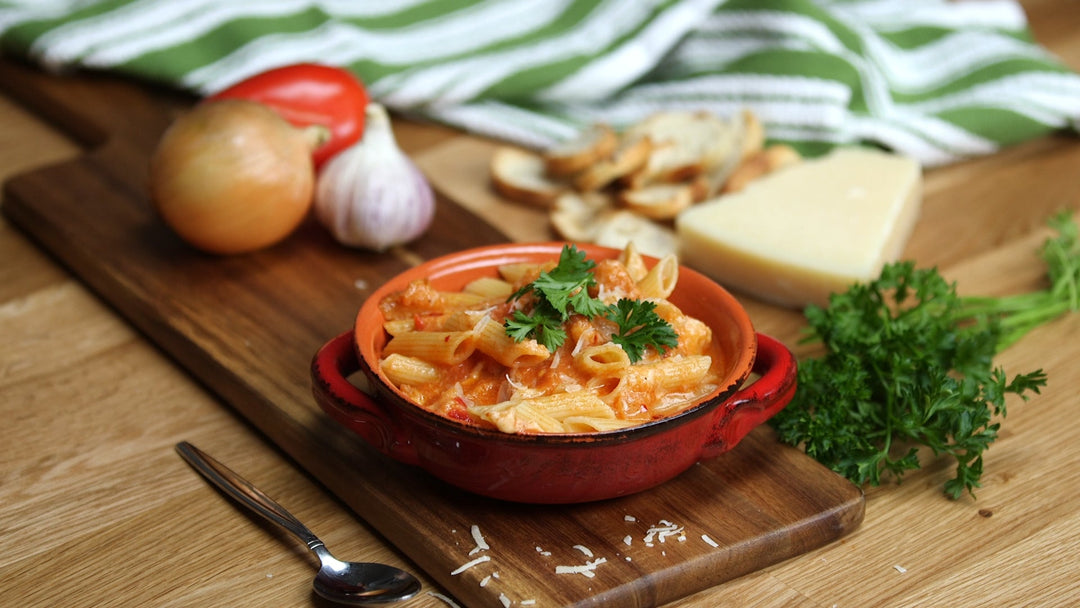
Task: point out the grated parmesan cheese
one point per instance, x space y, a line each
900 569
470 564
662 531
629 518
587 569
459 393
504 600
481 544
517 385
582 342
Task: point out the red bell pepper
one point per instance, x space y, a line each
306 94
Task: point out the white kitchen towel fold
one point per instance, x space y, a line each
933 79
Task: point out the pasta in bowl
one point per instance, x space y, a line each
548 373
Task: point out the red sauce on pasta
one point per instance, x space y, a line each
587 384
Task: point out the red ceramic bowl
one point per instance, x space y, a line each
566 468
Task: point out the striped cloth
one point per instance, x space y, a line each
937 80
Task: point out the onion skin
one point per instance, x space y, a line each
232 176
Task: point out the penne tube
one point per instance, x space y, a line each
661 279
460 320
675 402
588 424
677 373
604 360
460 300
490 287
402 369
491 339
450 347
520 273
563 405
518 417
399 326
634 263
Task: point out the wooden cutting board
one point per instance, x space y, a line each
248 326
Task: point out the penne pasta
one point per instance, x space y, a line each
520 418
544 411
460 300
675 372
399 326
447 347
586 424
491 339
660 281
420 298
562 405
604 360
402 369
470 355
490 287
634 263
519 273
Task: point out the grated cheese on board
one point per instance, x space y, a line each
481 544
470 564
584 549
587 569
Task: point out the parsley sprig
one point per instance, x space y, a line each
640 327
907 362
564 290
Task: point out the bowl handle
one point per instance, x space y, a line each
350 406
757 402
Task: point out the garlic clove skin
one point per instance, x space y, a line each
371 195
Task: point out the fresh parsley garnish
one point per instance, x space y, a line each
907 362
640 327
564 290
566 286
544 324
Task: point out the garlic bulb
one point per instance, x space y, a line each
371 195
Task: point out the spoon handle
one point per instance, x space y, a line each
240 489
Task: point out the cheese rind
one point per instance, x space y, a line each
795 236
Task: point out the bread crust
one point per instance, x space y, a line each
595 144
519 175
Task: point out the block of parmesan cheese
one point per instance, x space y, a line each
797 235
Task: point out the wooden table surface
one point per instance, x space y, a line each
96 509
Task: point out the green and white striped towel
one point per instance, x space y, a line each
933 79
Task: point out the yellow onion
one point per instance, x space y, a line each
232 176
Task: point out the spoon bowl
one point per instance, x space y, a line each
352 583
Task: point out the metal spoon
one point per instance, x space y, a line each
337 581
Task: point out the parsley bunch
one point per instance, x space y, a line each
909 363
564 290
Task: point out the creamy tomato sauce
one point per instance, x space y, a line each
482 391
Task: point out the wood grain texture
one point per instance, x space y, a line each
247 326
